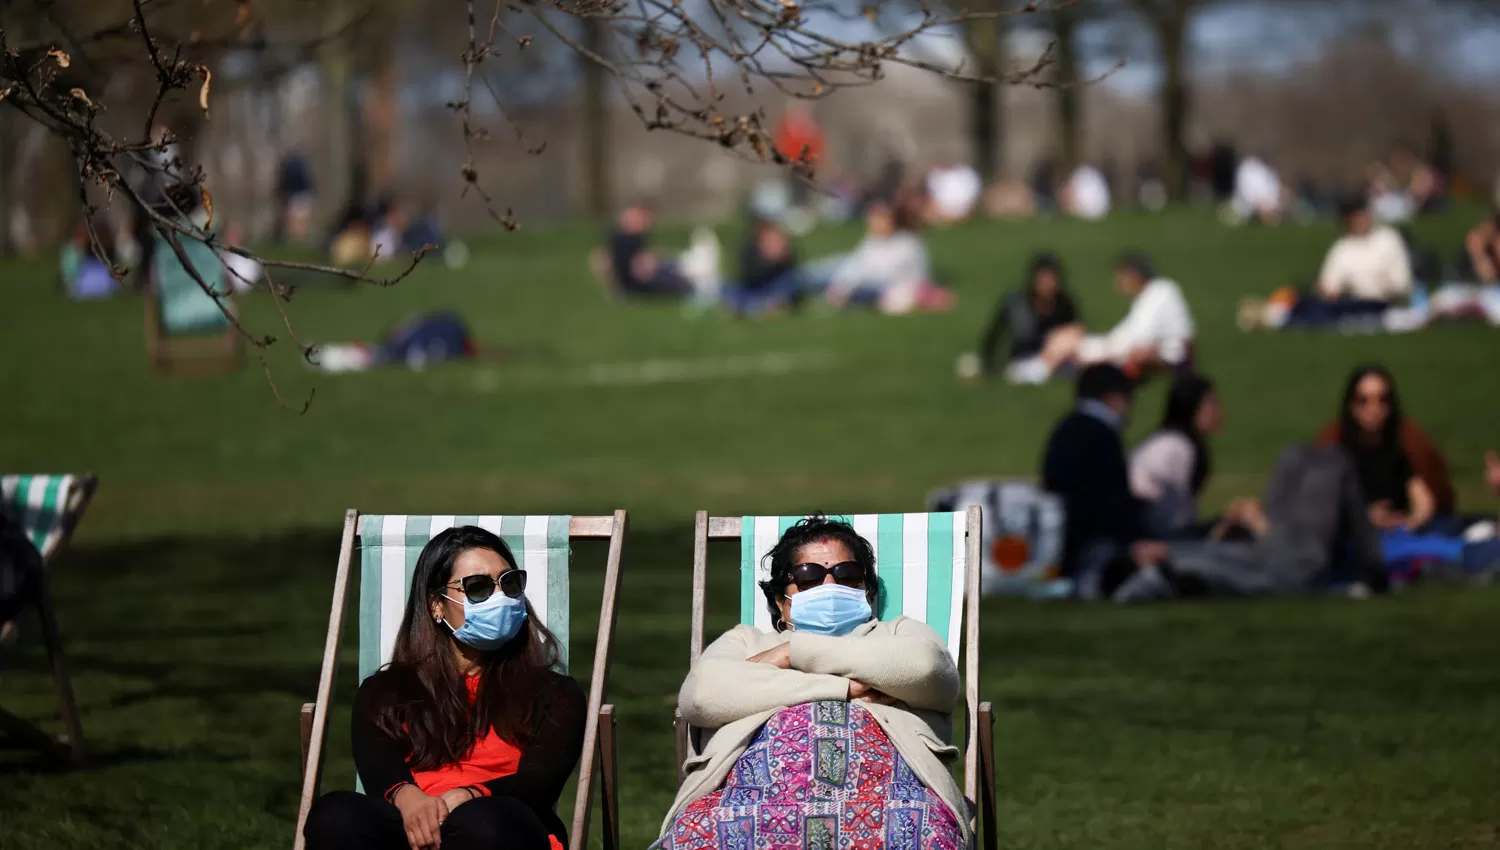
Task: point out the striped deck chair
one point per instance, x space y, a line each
387 548
929 568
185 326
49 508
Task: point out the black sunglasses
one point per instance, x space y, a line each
478 588
847 573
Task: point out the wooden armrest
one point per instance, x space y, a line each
307 727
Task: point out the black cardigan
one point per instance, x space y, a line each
546 762
1028 330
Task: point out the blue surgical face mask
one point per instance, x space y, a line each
490 624
829 609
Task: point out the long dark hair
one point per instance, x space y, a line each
1351 435
815 529
1044 261
1183 401
425 701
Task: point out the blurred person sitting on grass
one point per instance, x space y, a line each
1170 468
1366 272
833 723
1403 186
84 275
889 269
1402 474
466 739
770 280
630 269
1481 259
1086 194
1030 315
1104 542
953 190
1157 334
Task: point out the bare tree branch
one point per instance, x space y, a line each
675 64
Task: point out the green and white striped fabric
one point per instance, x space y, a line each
390 545
919 557
40 502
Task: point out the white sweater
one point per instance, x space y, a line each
883 263
1159 319
1372 267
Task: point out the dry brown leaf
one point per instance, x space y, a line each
208 77
78 94
208 206
62 58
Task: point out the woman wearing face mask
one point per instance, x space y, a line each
466 738
1404 477
829 730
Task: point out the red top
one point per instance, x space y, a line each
491 758
799 138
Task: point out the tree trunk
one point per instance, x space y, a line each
1069 107
7 182
380 113
1174 100
335 179
985 98
594 125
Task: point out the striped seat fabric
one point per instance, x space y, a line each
40 503
390 545
919 557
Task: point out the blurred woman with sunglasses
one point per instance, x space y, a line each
831 729
466 738
1404 477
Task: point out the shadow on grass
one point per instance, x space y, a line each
191 656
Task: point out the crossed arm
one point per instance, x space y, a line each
909 665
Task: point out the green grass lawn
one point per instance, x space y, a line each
197 596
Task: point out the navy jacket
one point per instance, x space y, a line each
1084 464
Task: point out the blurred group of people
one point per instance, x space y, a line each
1368 497
1037 331
1376 277
382 231
889 269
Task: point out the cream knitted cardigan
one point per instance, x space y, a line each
731 697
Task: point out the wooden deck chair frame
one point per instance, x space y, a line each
70 744
979 753
599 726
199 355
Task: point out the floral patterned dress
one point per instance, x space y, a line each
821 776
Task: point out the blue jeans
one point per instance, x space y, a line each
784 290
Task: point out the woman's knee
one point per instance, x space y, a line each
494 823
336 818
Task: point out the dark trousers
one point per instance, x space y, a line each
1312 310
345 820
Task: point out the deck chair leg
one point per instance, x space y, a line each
52 639
609 781
990 827
680 733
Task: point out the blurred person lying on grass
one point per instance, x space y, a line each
465 740
889 269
